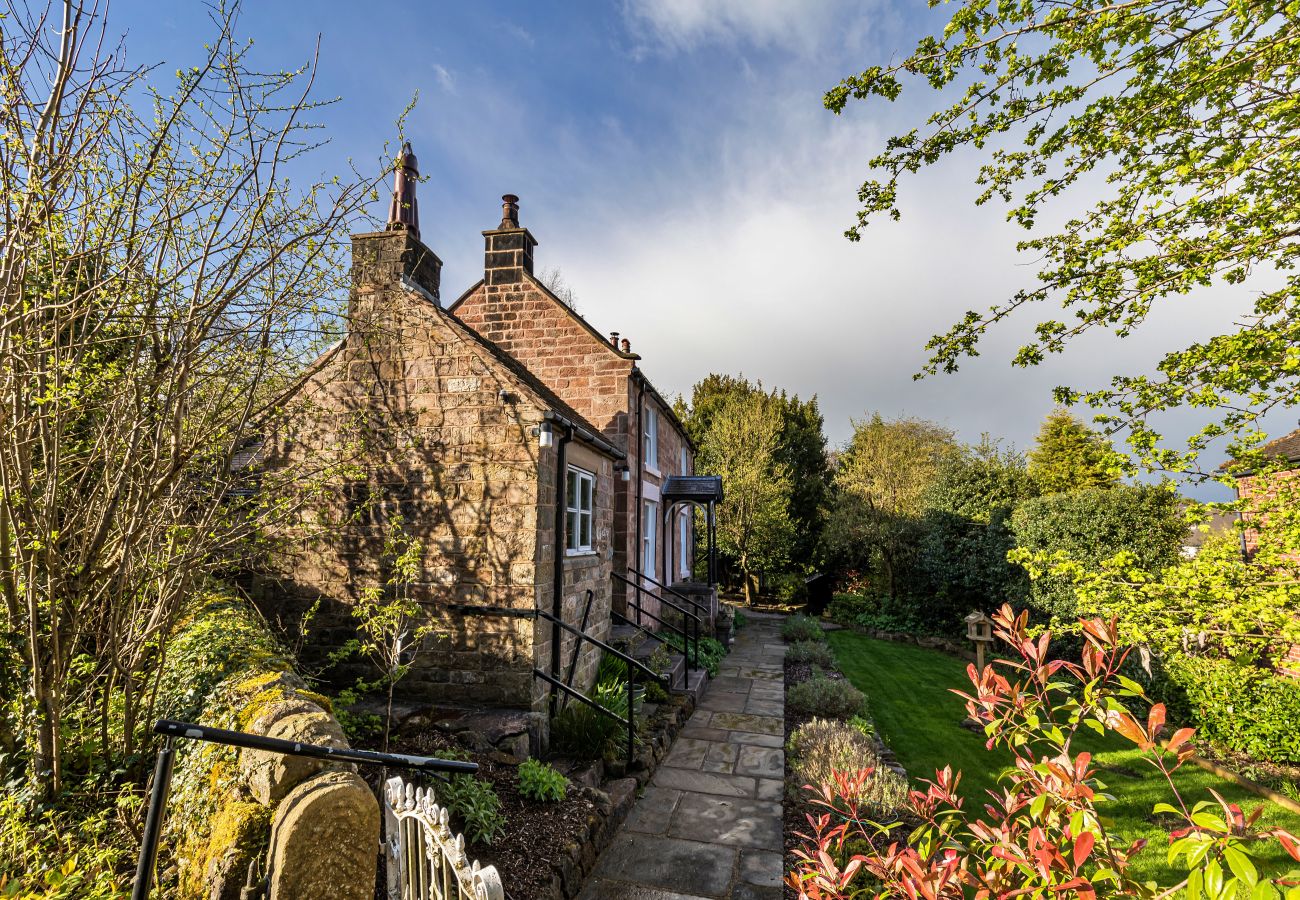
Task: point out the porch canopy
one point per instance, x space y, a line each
704 491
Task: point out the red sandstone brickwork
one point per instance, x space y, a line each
525 320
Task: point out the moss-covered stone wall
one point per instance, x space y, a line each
224 668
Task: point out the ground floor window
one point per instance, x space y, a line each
649 537
580 492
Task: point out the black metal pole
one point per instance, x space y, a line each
577 644
162 782
170 728
631 715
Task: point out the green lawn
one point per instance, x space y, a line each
908 689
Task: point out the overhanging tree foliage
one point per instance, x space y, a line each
1170 126
162 287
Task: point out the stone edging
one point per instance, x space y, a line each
929 642
614 798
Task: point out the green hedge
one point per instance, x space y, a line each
1238 707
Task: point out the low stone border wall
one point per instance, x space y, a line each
613 789
319 821
951 646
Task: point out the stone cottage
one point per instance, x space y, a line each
524 451
601 379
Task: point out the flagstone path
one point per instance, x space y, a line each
709 822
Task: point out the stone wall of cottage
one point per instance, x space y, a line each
413 418
586 370
583 572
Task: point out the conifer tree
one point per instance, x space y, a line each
1069 456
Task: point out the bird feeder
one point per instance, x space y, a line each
979 628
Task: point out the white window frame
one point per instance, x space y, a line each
650 538
650 445
577 512
684 515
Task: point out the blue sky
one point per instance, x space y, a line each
675 163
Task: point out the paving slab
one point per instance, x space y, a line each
671 864
708 826
732 821
761 867
654 810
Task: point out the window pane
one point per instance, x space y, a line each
571 489
571 531
586 495
585 541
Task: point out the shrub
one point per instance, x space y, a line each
822 747
1022 844
475 803
1092 525
583 733
801 628
540 782
1238 707
739 620
814 652
845 608
75 849
822 696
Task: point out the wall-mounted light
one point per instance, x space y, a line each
622 471
545 436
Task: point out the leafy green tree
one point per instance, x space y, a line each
754 522
1068 455
966 533
1160 135
1090 527
881 481
162 287
801 447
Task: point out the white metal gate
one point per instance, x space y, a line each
426 859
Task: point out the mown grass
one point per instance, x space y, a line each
909 692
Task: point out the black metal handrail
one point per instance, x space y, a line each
162 776
686 614
580 635
631 664
700 608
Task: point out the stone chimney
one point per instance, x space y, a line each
393 259
508 249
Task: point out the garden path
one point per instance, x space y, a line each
709 822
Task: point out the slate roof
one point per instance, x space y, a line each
1287 447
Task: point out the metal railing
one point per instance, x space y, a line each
426 860
162 776
701 609
566 687
630 664
689 630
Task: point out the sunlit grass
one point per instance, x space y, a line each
909 690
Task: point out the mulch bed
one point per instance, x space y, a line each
536 833
794 810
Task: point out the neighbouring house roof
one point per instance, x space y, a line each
1286 447
1219 523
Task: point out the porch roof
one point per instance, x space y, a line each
692 489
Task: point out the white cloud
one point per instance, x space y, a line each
676 25
445 79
